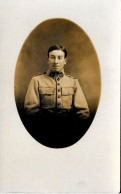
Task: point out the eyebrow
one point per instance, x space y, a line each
57 56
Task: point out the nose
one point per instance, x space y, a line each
56 60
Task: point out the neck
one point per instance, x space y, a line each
49 71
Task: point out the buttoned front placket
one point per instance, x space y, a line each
58 92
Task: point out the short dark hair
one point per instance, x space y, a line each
57 47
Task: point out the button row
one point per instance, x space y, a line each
59 94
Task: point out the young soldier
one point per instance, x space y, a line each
53 98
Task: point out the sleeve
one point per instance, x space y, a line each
80 103
32 100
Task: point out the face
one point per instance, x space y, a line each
56 60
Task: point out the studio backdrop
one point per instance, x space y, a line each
82 60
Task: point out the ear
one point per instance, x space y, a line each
65 60
47 60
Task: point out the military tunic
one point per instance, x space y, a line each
54 94
56 109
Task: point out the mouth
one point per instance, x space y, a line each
55 66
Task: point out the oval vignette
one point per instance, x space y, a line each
82 63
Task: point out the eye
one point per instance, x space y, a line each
52 57
60 57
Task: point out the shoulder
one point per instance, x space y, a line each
37 77
69 76
39 74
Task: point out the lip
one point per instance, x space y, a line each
55 66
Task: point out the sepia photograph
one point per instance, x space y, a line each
57 83
60 96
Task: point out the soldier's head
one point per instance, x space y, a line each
57 58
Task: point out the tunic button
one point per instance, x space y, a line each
59 96
58 84
59 90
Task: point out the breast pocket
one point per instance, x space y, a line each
47 97
67 97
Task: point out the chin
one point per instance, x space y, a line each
56 70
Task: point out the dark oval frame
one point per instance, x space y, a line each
82 63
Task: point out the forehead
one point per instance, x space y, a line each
56 53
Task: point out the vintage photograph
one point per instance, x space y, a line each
60 96
57 83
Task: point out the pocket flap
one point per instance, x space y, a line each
46 90
67 91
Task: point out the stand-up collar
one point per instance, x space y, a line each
54 74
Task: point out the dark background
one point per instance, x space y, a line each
82 59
